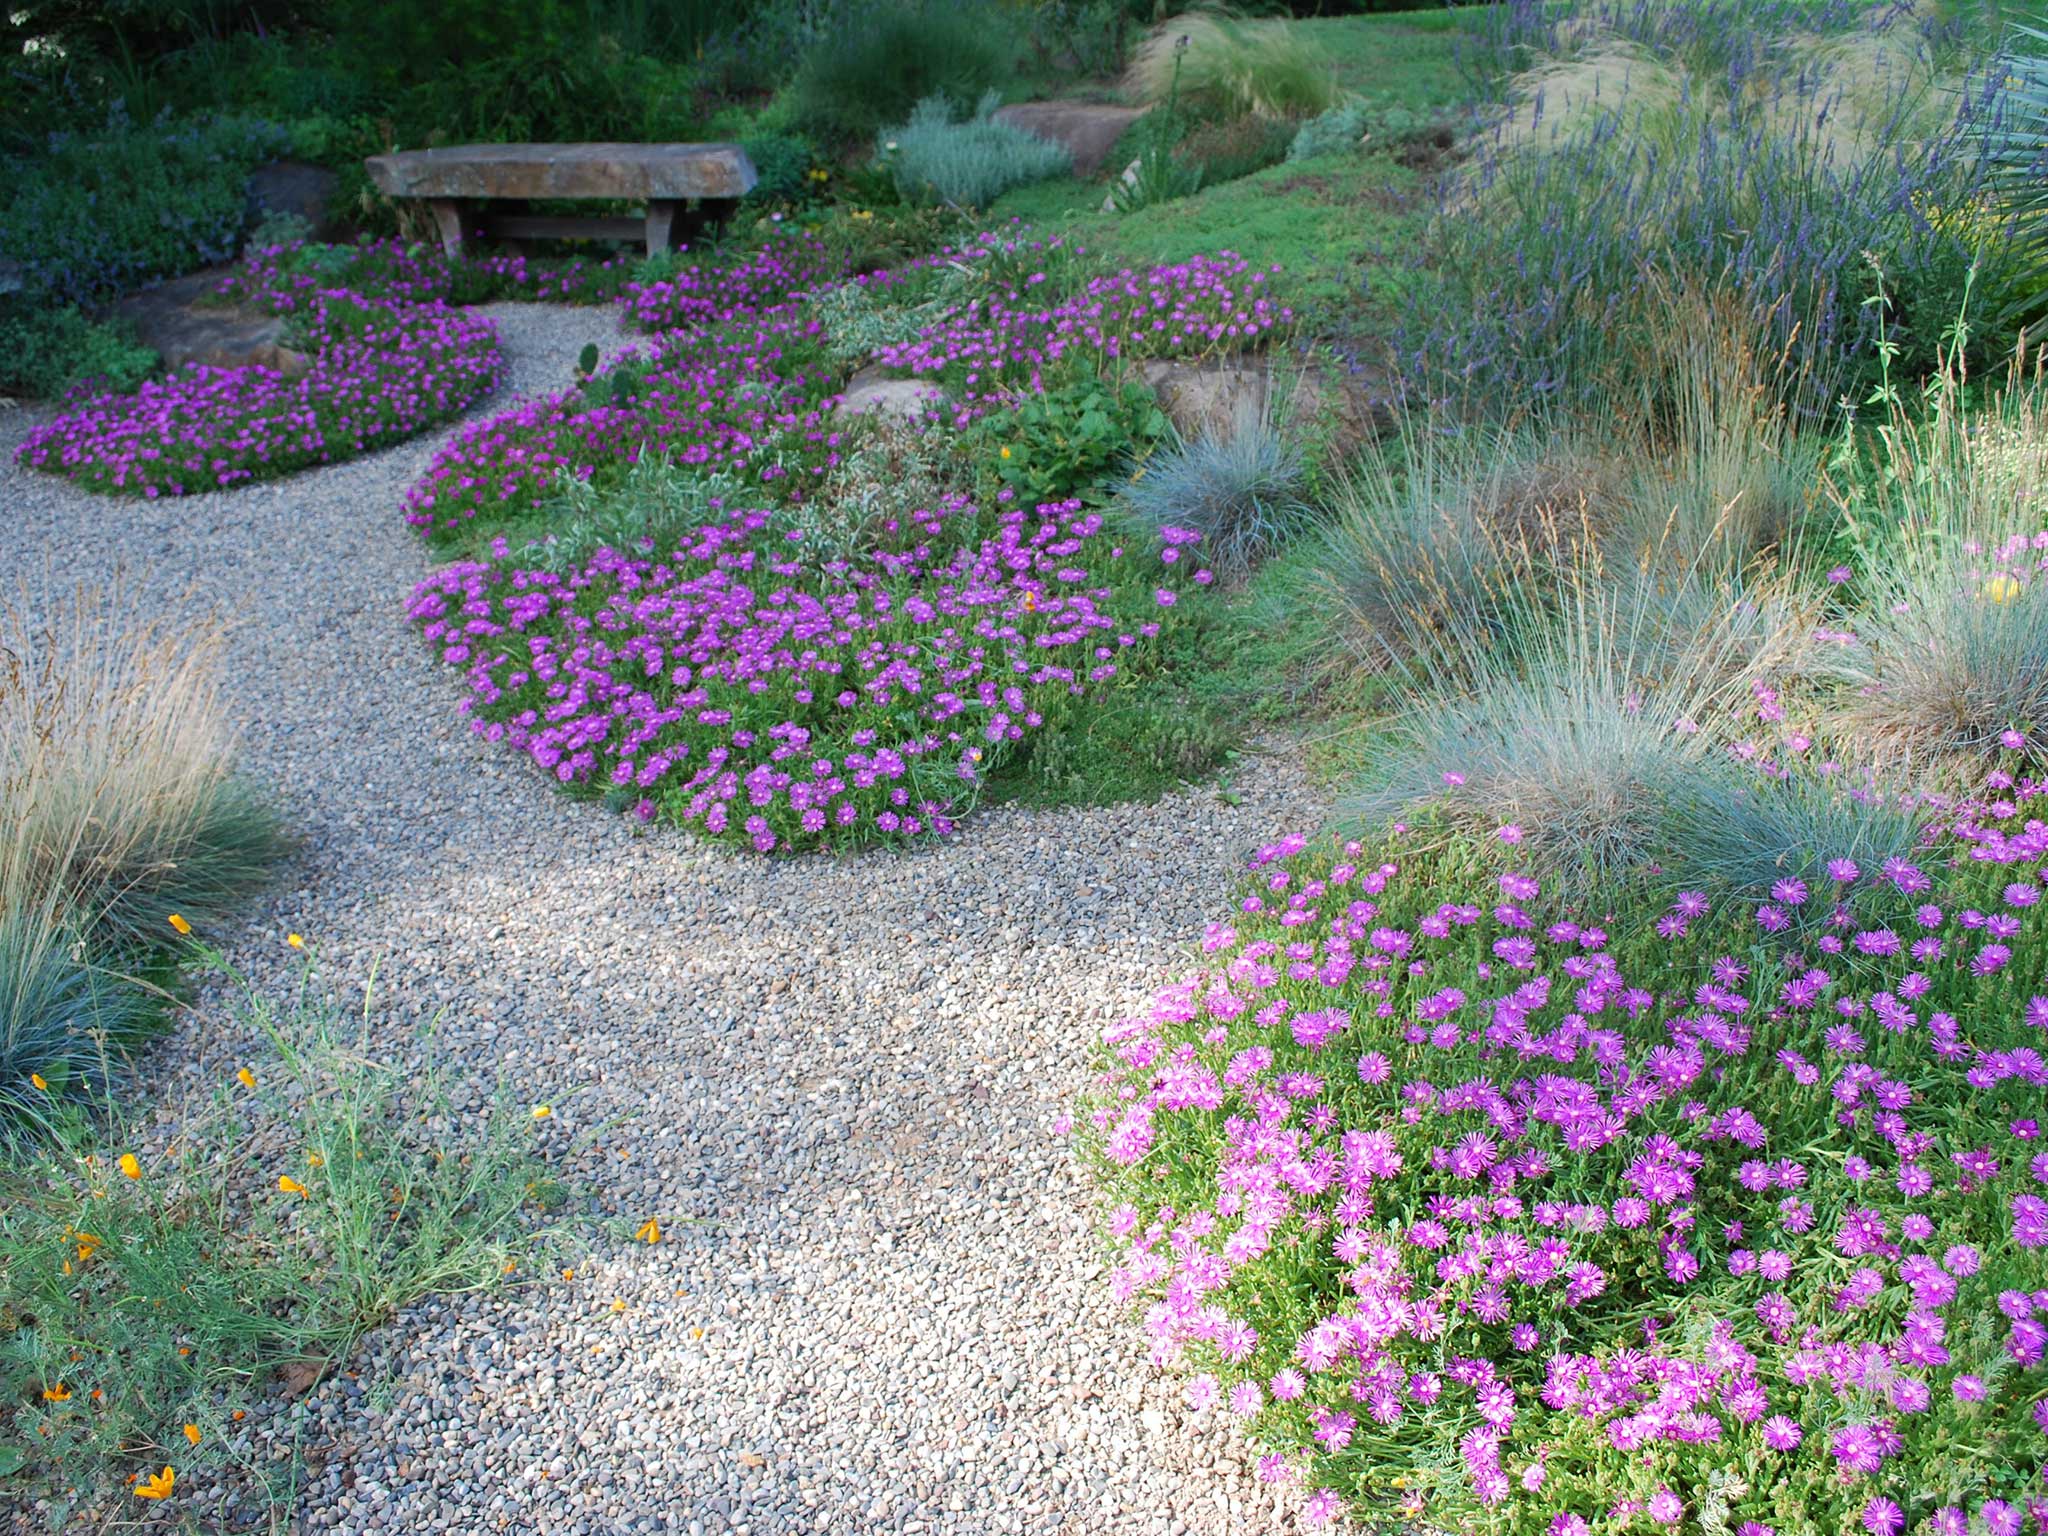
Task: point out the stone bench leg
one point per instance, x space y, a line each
456 221
663 215
670 220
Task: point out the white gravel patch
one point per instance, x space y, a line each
878 1305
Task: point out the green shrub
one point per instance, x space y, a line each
1242 490
1085 38
316 1196
46 353
884 57
1066 438
97 215
1227 150
782 166
1353 125
1341 128
965 164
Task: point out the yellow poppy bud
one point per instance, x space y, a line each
542 1111
291 1186
37 1079
296 941
246 1078
192 1433
180 924
130 1166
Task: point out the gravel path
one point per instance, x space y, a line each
878 1304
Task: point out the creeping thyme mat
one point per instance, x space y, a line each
834 1082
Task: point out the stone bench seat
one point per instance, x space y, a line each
684 187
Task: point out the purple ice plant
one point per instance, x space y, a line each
1518 1223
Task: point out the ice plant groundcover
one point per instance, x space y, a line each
742 686
1486 1210
377 371
751 683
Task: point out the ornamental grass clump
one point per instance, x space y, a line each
1478 1207
1669 142
740 682
67 1024
1243 489
1951 650
1435 543
1231 68
1566 745
125 826
1747 828
1947 646
117 777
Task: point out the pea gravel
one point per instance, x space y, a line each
877 1305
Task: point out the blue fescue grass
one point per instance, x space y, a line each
1242 489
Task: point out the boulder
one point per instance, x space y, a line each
1127 180
1087 130
874 391
175 320
1210 396
294 187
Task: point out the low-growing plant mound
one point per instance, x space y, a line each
735 680
965 164
376 373
1490 1212
744 374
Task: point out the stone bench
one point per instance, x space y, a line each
684 186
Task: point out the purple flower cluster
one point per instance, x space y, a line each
1481 1210
749 391
740 685
378 372
1203 305
763 279
283 278
744 379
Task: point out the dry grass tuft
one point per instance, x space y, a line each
116 750
1234 67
